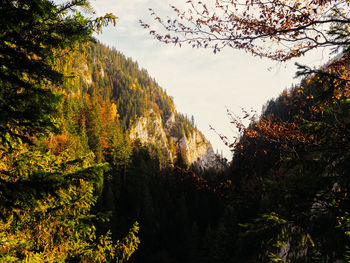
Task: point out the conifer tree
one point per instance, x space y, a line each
33 34
46 196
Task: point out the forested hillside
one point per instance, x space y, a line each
106 88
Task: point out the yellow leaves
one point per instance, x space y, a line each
103 21
133 86
307 238
114 111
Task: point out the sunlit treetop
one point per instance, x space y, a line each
278 29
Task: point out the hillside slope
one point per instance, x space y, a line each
144 111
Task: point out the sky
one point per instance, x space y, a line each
202 84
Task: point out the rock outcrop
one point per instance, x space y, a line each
195 148
149 129
198 150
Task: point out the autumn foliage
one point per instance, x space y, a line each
280 30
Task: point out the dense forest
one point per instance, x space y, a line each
78 183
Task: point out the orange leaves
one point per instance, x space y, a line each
267 130
280 132
296 26
58 143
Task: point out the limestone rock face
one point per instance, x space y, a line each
195 148
84 72
149 129
198 151
209 160
169 124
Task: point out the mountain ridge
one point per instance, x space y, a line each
144 110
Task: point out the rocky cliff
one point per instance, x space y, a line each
194 147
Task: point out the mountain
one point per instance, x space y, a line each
144 111
114 113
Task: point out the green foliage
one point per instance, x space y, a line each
118 79
183 126
33 34
49 187
46 202
128 246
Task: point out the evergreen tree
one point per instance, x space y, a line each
33 34
47 194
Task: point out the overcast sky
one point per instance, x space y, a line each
202 84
